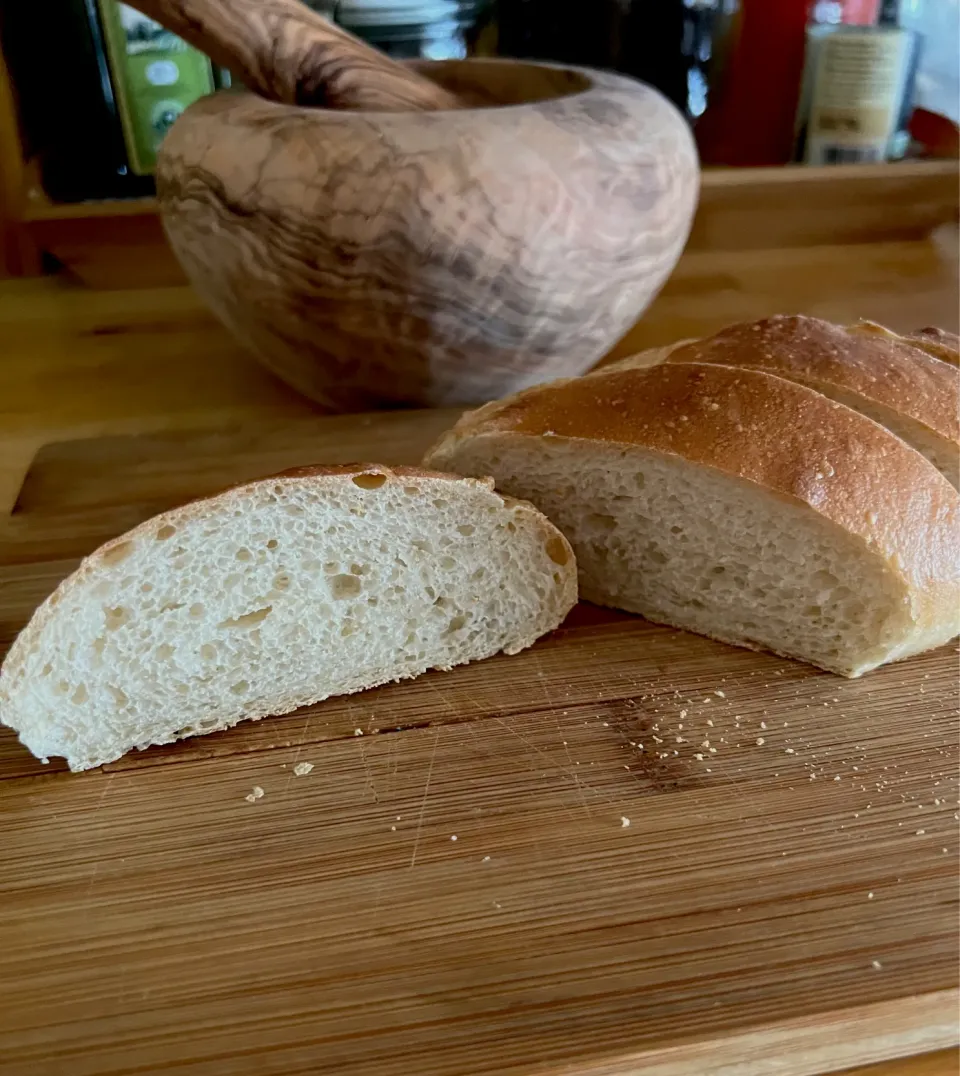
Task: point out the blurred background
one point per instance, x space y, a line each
94 85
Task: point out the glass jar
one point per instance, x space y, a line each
406 29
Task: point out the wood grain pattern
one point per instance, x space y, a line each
287 52
940 1063
78 363
433 258
739 210
785 902
758 208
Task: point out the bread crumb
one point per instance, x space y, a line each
302 769
393 829
789 751
683 713
255 795
870 896
624 821
453 837
486 859
358 732
760 741
921 832
720 694
876 964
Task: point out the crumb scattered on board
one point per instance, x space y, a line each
254 795
624 821
302 768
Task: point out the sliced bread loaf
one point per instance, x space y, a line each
276 594
736 504
879 374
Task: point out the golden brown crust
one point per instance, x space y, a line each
939 343
781 436
870 362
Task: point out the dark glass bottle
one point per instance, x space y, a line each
93 129
679 46
70 123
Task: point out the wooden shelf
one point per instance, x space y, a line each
39 207
716 182
119 243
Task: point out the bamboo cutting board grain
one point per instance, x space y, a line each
625 850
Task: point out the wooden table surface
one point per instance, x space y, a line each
78 364
628 849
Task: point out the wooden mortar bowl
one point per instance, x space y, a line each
432 258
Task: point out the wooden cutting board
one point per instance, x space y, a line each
625 850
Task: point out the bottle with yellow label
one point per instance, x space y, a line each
856 93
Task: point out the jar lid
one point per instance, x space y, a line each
400 12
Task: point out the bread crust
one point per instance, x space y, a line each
939 343
781 436
882 368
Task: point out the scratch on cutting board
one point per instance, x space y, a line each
296 757
376 907
103 794
566 771
545 686
576 776
428 682
96 867
368 783
423 802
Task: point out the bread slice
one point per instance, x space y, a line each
733 503
277 594
879 374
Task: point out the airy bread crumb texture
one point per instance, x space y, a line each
685 545
276 595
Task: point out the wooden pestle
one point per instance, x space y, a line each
286 52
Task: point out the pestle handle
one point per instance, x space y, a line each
287 52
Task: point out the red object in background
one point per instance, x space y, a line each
935 135
860 12
751 122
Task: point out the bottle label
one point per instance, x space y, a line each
857 95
